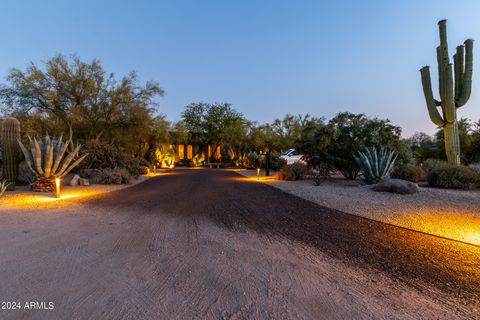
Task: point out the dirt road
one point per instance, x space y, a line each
205 244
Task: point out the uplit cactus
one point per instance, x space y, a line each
376 164
49 160
455 84
10 150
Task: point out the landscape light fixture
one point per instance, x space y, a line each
58 184
258 173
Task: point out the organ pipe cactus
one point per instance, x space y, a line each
49 160
455 84
10 150
376 164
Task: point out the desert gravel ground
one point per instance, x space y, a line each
454 214
207 244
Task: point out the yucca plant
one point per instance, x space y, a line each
49 160
376 164
3 187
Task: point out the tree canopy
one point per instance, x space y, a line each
81 98
212 124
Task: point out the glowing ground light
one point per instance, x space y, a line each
461 226
36 200
58 185
259 179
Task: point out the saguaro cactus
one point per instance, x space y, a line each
11 151
455 84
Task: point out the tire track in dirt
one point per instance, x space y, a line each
200 244
416 258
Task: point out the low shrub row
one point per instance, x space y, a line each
455 177
294 171
253 160
410 172
107 164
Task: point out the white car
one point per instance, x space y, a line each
292 156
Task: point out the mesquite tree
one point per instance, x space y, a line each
455 84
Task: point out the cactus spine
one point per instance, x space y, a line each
10 149
455 84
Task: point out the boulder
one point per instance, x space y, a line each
75 180
84 182
396 186
93 175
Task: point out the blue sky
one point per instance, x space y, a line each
267 58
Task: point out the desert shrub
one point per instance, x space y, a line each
94 175
456 177
276 162
102 156
322 173
294 171
433 164
409 172
115 176
141 170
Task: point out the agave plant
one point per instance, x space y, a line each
49 160
3 187
376 164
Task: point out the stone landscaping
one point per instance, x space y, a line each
454 214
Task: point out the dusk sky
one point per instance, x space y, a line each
267 58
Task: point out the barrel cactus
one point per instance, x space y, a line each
10 150
376 164
49 160
455 84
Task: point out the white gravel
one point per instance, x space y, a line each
453 214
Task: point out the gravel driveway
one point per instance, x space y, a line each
203 244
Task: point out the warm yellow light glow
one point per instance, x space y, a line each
461 226
260 179
69 195
58 185
181 151
36 199
189 152
258 173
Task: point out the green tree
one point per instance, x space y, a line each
315 138
354 132
338 141
288 131
423 146
474 152
81 98
465 139
210 124
178 133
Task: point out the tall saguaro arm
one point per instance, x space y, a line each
455 86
